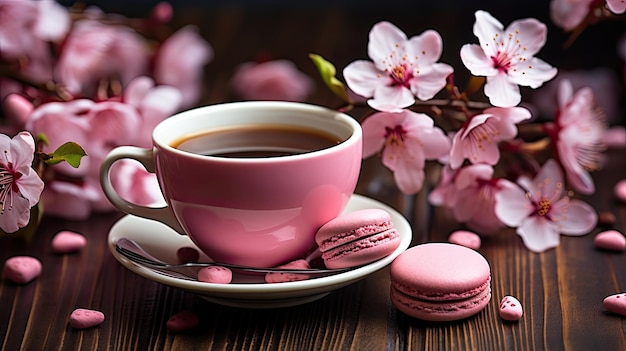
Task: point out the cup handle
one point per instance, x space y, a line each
146 158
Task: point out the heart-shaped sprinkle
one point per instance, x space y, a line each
82 318
181 321
616 303
187 254
215 274
67 242
22 269
465 238
282 277
610 240
510 309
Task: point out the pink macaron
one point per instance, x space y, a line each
357 238
440 282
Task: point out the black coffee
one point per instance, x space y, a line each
255 141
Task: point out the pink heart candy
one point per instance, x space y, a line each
82 318
215 274
610 240
22 269
283 277
465 238
510 309
181 321
67 242
616 303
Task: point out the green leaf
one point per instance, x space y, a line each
327 72
69 152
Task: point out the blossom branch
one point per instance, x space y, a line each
49 87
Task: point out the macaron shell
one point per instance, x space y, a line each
440 311
440 282
363 251
440 272
352 226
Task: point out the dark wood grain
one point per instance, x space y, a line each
561 290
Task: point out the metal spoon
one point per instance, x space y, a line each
135 253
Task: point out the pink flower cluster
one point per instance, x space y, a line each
404 73
106 87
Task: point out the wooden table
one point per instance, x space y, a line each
561 290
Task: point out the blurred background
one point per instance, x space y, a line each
250 28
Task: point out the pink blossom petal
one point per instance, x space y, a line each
382 37
431 80
476 61
501 92
17 217
465 208
512 205
363 77
485 27
616 6
427 46
538 234
391 98
435 143
17 108
180 61
22 150
578 177
569 14
531 33
137 90
53 23
578 218
468 176
541 72
549 182
409 175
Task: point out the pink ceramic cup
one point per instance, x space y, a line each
251 211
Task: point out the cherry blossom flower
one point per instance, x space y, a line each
179 62
506 57
153 103
478 138
469 194
271 80
540 211
569 14
25 24
26 30
94 51
603 81
476 189
20 186
401 69
616 6
578 132
407 140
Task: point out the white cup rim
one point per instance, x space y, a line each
161 139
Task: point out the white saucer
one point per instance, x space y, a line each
162 242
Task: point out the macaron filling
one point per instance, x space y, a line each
368 248
352 234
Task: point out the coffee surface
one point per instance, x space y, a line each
256 141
